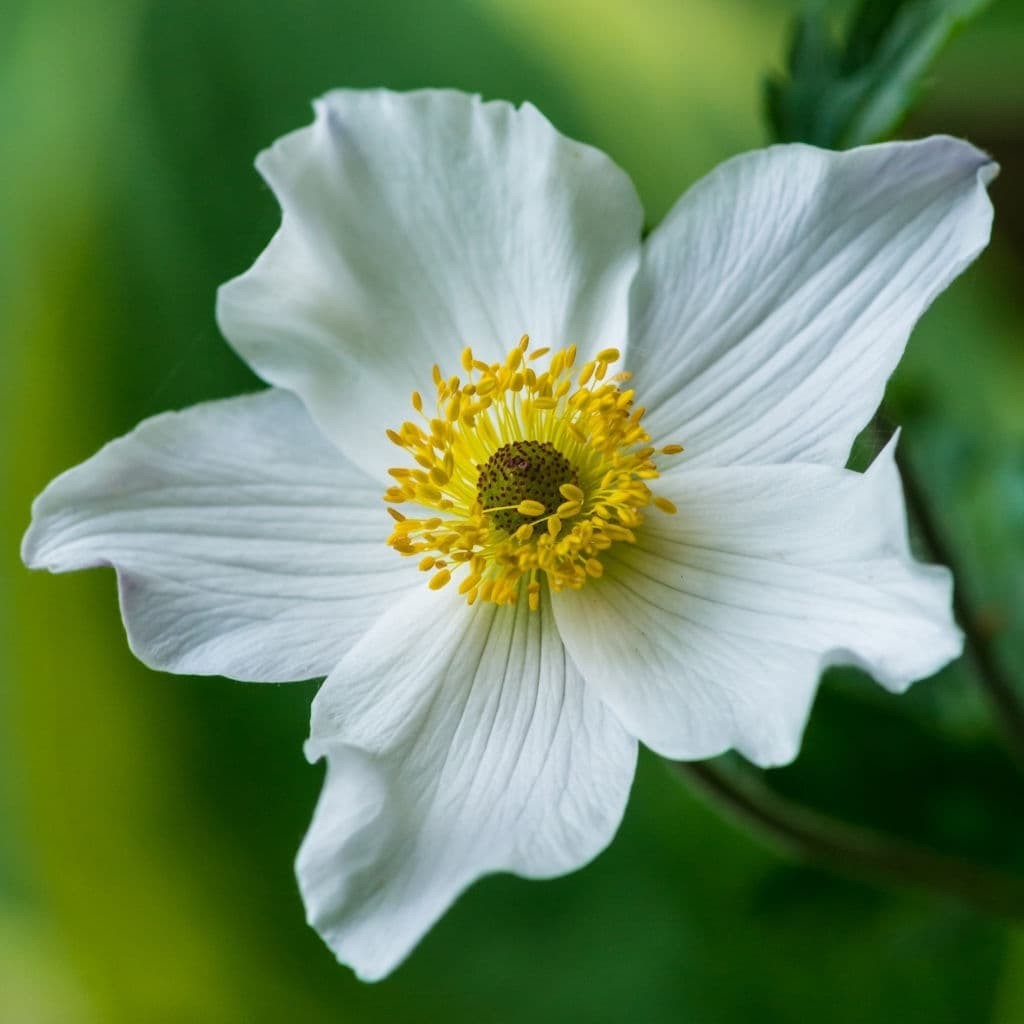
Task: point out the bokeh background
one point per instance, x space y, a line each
148 822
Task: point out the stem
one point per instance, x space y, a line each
995 680
847 849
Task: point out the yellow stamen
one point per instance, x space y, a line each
530 476
439 580
525 532
530 508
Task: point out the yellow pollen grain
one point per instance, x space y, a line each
666 506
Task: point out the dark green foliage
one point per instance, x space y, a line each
854 88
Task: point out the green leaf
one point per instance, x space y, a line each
848 90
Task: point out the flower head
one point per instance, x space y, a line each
511 584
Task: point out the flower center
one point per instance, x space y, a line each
523 471
521 475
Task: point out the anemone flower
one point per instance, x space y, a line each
528 490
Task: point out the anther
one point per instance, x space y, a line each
531 508
439 580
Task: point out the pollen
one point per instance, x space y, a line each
521 476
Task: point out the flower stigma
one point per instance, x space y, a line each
523 474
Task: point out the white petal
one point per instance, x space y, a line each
776 298
459 742
244 543
413 225
711 631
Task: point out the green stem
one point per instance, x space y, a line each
995 681
850 850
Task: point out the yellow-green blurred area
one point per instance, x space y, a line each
148 823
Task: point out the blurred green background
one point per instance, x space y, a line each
148 823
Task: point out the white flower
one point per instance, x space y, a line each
465 734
